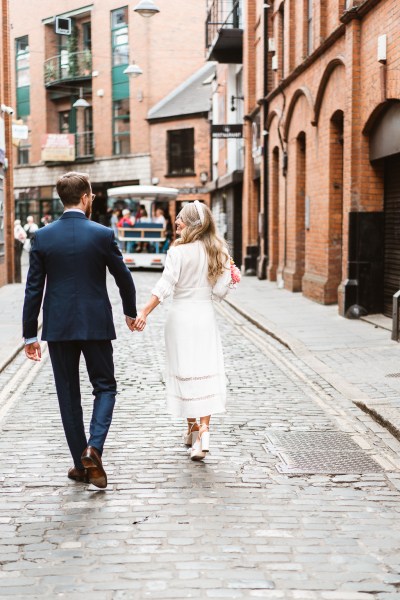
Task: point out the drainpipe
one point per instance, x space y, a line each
263 259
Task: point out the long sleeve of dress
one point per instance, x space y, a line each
221 287
170 276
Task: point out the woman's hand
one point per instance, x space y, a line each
140 322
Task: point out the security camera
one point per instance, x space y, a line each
7 109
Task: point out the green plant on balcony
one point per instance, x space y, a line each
49 73
72 47
86 61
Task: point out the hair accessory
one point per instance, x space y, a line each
200 210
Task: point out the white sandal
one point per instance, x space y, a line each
202 444
189 437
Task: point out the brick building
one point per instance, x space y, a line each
180 138
6 171
110 138
322 79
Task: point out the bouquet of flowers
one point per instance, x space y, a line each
235 274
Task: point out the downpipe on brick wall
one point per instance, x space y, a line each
281 282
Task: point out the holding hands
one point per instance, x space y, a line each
137 324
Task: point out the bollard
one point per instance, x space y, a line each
395 314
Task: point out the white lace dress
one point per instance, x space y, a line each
195 375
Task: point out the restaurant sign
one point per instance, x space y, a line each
227 131
58 147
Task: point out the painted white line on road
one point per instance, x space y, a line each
19 382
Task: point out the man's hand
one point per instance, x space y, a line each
131 323
33 351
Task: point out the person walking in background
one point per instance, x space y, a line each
127 221
20 238
30 227
115 218
77 318
197 269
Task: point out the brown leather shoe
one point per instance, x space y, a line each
91 460
78 475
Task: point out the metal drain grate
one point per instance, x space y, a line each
326 452
393 375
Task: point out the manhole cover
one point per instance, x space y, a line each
327 452
309 440
393 375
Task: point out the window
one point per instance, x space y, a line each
121 127
180 152
87 35
23 155
120 38
22 76
22 58
309 26
64 119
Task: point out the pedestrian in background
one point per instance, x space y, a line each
20 239
30 227
197 269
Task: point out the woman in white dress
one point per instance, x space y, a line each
197 269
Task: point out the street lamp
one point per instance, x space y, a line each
146 8
81 102
133 70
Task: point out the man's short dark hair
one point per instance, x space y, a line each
72 186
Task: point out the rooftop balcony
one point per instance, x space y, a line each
224 31
67 66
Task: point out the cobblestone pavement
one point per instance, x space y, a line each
231 527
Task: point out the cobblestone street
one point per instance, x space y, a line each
232 527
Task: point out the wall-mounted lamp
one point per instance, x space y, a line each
146 8
133 70
81 102
233 104
204 177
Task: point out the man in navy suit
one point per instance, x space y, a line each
70 258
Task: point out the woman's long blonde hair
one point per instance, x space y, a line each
214 244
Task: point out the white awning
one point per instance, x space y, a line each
143 191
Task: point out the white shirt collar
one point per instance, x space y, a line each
74 210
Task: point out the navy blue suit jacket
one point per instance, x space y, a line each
70 258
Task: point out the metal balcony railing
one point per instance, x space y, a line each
84 144
222 14
67 66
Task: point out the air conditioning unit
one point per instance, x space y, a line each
271 45
274 64
63 25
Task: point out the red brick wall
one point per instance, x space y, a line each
351 85
158 137
155 44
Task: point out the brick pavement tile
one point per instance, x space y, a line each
169 528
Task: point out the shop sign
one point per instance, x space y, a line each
192 190
58 147
19 132
227 131
256 149
2 142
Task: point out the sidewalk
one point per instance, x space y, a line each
11 302
355 356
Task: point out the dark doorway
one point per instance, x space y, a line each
392 232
